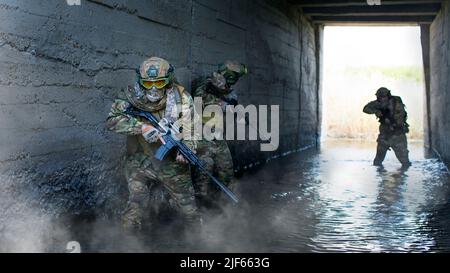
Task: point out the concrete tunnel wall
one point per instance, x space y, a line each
439 94
61 67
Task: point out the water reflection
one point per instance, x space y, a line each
390 189
390 199
396 219
357 207
328 201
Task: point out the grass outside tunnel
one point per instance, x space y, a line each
357 62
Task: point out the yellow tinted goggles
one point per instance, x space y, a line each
159 83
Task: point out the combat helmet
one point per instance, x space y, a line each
155 72
153 77
383 92
232 71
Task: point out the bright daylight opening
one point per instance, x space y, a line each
359 60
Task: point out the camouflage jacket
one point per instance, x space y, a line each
212 90
120 122
392 115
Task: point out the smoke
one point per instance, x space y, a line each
33 216
224 230
30 234
230 228
31 230
26 229
246 227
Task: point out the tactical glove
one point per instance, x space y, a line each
150 133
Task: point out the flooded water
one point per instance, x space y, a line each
332 200
336 201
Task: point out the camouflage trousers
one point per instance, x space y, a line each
142 172
398 143
217 155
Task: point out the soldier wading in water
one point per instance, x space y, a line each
392 116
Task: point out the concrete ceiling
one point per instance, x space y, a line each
360 12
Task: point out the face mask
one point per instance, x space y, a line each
154 94
147 100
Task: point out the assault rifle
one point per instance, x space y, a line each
168 132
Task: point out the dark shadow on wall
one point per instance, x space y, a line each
246 153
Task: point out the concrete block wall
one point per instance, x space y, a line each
440 83
61 67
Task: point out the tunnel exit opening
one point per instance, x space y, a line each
357 60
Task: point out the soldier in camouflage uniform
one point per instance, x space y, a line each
156 92
217 90
392 116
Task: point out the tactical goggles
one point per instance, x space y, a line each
231 76
158 83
